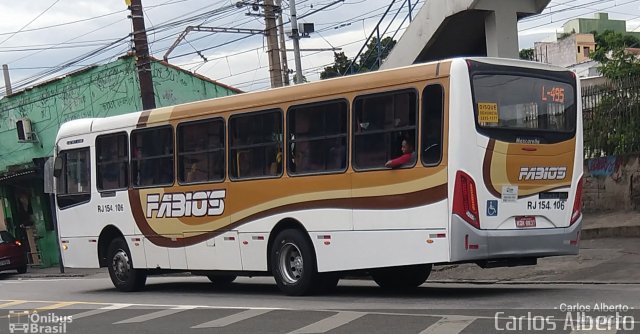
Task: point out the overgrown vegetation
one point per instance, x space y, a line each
612 110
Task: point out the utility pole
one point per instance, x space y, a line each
283 46
7 79
273 50
143 62
296 41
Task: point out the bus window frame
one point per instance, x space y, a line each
224 150
415 128
442 124
85 196
230 148
346 135
128 162
173 165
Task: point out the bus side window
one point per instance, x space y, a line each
152 156
432 124
112 161
73 185
381 123
255 145
317 137
201 151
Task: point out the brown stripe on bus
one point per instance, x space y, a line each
387 202
144 117
486 168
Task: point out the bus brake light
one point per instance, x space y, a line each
465 201
577 204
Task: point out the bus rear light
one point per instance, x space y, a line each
18 243
465 202
577 204
468 245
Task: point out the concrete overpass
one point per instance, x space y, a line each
450 28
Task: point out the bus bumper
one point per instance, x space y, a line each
469 243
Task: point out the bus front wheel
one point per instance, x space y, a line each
123 275
293 263
401 278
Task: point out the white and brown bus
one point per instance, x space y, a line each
292 182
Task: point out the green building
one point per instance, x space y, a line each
97 91
600 23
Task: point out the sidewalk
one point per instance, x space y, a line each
604 258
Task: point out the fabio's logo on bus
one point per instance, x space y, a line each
542 173
186 204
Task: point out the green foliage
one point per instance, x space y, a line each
340 66
612 127
527 54
368 60
615 61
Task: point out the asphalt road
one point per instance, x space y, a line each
254 305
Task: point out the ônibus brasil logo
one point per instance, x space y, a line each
186 204
542 173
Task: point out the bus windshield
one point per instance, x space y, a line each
531 106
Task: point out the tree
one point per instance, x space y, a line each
370 60
339 67
527 54
616 62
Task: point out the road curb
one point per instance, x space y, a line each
610 232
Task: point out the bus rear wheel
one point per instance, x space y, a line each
293 263
123 276
401 278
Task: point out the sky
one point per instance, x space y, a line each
41 39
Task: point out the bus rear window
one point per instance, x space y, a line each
519 108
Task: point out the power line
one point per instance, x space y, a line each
26 25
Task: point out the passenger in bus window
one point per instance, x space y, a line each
407 158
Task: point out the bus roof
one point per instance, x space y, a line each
337 87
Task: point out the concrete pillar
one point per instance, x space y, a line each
502 33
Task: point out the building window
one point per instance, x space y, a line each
112 158
255 145
74 183
432 124
381 123
578 49
201 151
317 138
152 157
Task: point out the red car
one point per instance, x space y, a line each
12 254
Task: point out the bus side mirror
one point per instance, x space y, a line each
57 167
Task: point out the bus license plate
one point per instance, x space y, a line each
525 221
5 262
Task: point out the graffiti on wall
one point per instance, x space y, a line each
604 166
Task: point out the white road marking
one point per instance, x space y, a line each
99 311
155 315
228 320
450 324
330 323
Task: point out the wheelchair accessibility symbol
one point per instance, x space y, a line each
492 208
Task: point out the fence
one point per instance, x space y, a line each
611 114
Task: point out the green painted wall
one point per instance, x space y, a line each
106 90
600 23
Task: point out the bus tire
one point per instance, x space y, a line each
221 280
22 270
123 276
401 278
293 263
